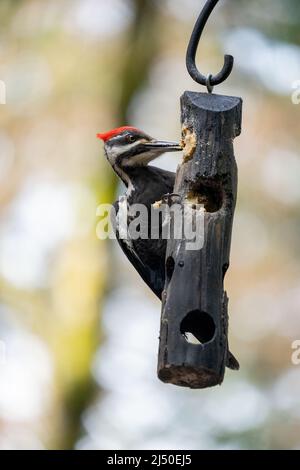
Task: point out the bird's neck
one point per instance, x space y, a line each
136 179
124 175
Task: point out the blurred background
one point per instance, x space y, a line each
78 328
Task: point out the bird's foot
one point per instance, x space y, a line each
171 198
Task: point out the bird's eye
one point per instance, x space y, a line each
131 138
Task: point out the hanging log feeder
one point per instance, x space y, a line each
193 347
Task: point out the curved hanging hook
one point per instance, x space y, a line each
211 80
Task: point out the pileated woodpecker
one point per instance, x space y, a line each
129 150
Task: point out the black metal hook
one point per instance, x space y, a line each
211 80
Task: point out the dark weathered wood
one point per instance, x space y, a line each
194 299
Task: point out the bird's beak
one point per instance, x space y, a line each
162 146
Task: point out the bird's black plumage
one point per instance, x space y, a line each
150 184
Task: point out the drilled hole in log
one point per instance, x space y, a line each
170 265
208 194
197 327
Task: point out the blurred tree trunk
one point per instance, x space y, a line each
140 48
66 315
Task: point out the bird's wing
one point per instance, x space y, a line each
155 279
162 182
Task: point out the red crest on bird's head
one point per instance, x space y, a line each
108 135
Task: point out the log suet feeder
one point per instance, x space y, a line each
189 280
194 301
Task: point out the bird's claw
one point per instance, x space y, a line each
171 198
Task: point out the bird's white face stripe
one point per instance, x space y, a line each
140 160
116 150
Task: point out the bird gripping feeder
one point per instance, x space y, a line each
194 300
